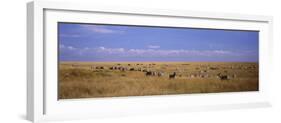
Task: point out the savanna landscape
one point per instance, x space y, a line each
107 60
113 79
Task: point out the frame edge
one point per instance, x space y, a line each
30 60
35 69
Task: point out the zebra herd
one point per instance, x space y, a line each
150 73
173 75
154 73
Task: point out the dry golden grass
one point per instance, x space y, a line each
79 80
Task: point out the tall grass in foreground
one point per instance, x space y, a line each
82 82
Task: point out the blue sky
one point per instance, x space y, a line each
92 42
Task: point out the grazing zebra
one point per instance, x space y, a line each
203 75
213 68
222 77
139 69
172 76
160 74
144 70
154 73
148 73
132 69
123 69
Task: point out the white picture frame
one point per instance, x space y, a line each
42 102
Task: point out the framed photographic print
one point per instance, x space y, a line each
92 61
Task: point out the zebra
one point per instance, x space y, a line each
148 73
222 77
160 74
172 76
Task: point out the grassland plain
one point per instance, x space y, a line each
115 79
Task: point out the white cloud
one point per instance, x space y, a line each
121 52
110 50
153 46
100 29
63 47
101 48
164 53
71 48
221 52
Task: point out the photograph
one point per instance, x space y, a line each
97 60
